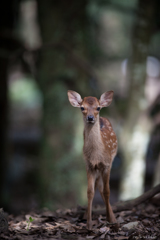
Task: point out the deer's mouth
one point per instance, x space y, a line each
91 122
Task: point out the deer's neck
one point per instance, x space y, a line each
93 149
92 134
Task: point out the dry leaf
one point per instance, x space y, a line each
104 229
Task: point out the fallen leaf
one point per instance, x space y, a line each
90 237
120 219
104 229
120 237
146 222
130 225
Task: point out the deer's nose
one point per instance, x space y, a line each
90 118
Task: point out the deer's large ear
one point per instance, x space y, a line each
106 99
74 98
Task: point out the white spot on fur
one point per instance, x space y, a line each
109 146
112 133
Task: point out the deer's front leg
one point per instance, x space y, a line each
90 195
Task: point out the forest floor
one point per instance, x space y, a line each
141 222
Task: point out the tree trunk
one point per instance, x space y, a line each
7 45
156 179
3 125
135 134
59 165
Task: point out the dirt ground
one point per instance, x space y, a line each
142 222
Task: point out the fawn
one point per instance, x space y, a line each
100 148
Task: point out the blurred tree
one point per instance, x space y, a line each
62 66
69 31
8 44
135 134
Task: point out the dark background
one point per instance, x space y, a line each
48 47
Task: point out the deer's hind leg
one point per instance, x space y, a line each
106 194
99 185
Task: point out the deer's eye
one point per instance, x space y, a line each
98 109
82 108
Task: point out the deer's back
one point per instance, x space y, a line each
108 137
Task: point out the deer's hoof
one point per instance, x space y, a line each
89 225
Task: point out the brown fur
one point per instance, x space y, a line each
100 148
90 100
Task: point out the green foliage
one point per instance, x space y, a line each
29 222
25 92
